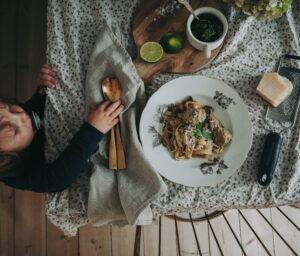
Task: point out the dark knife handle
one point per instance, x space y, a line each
269 158
288 56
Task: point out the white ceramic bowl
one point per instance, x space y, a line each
207 47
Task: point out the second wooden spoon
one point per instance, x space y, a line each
111 90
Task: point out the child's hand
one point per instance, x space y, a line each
104 117
46 79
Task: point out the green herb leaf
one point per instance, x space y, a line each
206 135
209 32
198 129
199 125
197 133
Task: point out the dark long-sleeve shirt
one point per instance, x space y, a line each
42 177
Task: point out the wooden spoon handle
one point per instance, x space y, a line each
120 150
112 150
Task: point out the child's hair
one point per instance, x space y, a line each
10 162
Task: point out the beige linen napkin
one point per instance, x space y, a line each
120 196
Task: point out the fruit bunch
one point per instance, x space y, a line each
262 9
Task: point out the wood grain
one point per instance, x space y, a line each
95 241
60 245
123 240
6 220
224 235
286 229
30 220
30 224
8 42
149 26
150 239
168 237
113 164
250 243
213 246
187 239
202 228
120 150
31 47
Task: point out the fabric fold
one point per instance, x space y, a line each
120 196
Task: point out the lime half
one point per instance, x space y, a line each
151 52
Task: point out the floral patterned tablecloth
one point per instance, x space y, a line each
251 48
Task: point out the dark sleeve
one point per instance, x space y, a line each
37 103
60 174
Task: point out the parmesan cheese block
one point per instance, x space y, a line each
274 88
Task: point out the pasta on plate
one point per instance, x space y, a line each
192 131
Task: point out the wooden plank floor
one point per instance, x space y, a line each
24 228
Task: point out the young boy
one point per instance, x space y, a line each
22 163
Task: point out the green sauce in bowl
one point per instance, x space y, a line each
208 28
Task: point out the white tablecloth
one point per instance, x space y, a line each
251 48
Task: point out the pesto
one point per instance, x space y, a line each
208 28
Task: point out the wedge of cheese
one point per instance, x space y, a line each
274 88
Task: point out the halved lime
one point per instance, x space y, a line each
151 52
172 42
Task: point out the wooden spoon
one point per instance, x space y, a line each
111 90
189 8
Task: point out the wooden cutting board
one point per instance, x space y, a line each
150 24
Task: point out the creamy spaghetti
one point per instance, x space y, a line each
192 131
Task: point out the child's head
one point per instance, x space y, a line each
16 134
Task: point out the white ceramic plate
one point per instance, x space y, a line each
228 108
